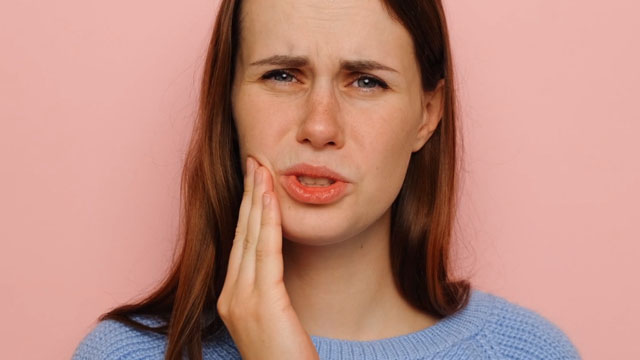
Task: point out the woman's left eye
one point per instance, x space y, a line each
366 82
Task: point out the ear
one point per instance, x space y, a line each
432 110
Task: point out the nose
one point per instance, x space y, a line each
321 124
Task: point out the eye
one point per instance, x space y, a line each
279 76
366 82
369 82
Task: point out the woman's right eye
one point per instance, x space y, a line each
279 76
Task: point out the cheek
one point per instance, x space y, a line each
387 173
386 139
260 119
389 155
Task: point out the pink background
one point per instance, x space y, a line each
97 100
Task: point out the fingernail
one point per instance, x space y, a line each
266 199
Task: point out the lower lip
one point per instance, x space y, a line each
313 194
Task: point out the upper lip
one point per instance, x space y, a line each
304 169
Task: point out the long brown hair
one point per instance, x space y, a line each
211 192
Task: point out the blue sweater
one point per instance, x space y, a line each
489 327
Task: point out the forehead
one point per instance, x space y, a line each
324 31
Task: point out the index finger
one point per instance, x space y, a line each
269 262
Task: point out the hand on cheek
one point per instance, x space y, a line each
254 304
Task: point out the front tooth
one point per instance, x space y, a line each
311 181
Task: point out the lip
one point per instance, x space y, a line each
314 194
304 169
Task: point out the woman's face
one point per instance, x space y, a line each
344 93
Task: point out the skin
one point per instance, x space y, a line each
298 269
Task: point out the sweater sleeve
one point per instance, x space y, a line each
516 332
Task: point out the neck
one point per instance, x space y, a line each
346 290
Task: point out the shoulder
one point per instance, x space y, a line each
110 339
516 332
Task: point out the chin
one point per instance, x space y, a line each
314 232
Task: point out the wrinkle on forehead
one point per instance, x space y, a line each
364 30
322 15
359 28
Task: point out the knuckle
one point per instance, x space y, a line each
246 243
239 232
246 194
261 254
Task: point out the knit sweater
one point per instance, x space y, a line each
489 327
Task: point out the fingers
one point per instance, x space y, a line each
235 256
269 264
256 255
246 273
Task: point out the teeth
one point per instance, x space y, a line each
312 181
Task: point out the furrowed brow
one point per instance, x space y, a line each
301 61
363 65
283 60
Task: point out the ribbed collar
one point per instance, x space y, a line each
443 334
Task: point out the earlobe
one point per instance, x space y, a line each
432 111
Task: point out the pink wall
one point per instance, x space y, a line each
96 103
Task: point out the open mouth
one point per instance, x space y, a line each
312 190
314 181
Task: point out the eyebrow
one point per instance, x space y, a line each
302 61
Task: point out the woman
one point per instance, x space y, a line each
319 197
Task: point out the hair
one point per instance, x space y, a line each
422 215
